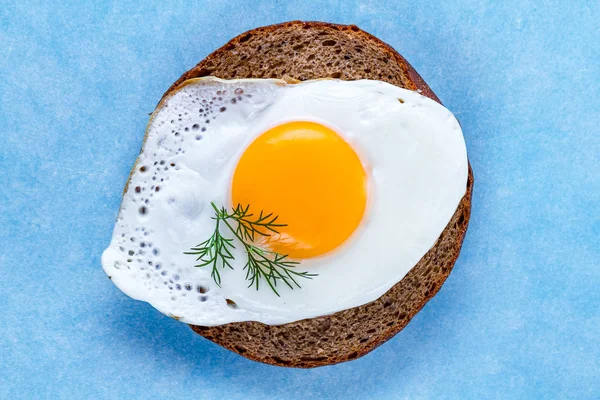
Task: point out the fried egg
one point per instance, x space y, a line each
364 176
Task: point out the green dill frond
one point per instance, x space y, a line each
261 264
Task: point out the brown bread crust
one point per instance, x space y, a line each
310 50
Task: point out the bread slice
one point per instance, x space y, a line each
309 50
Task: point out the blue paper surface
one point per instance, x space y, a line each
519 317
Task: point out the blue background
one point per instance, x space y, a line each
519 316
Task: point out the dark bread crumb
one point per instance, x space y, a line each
310 50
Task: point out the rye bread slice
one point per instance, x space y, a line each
310 50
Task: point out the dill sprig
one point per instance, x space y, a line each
212 250
261 264
264 224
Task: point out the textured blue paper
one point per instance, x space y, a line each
519 316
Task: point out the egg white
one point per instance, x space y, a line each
412 148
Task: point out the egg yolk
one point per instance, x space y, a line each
308 176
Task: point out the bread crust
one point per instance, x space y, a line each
348 334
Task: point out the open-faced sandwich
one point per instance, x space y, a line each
300 195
